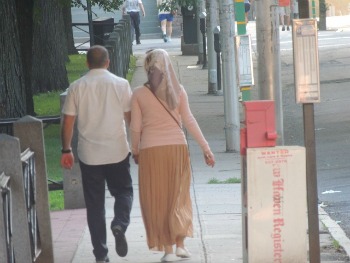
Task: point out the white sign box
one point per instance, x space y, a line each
277 205
306 63
244 60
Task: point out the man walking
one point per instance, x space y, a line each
133 8
100 103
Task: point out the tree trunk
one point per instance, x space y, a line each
67 19
12 89
25 28
49 48
323 10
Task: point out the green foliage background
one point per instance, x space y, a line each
172 5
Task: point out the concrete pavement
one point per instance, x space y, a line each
217 207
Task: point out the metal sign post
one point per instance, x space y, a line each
307 81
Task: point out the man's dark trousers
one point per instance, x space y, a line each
119 184
135 23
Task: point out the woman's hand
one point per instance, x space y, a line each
136 158
209 158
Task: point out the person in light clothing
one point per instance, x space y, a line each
159 109
133 8
99 102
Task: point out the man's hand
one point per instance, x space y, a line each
67 160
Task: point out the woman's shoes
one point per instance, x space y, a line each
167 258
182 252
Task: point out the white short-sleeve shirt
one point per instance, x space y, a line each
99 100
132 5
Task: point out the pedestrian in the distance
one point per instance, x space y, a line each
159 110
100 104
133 8
246 10
284 11
166 17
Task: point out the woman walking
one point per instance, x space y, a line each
159 109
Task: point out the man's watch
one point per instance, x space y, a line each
66 150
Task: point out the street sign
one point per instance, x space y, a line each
244 60
276 207
306 63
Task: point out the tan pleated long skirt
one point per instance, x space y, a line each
164 186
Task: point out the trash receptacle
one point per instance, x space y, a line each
102 27
189 16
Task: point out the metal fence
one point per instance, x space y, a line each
119 46
29 183
6 218
29 190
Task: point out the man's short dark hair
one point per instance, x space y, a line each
97 56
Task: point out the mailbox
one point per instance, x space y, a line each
260 128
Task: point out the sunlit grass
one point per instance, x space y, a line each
227 181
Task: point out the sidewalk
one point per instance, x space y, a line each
216 207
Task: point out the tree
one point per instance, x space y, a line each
25 28
49 48
171 5
12 79
67 20
323 9
33 51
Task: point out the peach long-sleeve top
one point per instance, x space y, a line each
151 125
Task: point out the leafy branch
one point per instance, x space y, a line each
106 5
171 5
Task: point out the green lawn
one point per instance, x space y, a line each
48 104
227 181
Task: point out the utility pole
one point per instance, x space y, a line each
212 22
200 9
230 87
269 63
311 167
